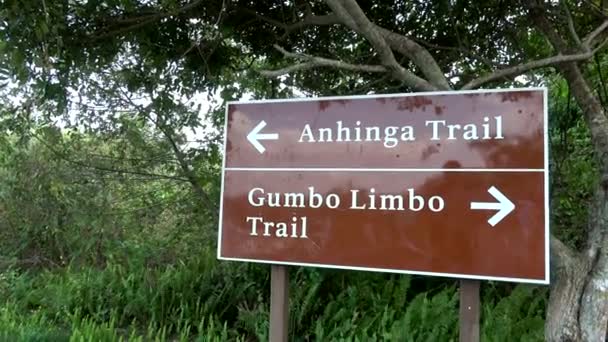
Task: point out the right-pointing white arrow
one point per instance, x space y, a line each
504 206
254 136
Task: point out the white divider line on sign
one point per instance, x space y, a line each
315 169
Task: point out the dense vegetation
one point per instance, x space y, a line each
91 251
110 170
133 261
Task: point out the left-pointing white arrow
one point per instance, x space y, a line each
504 206
255 136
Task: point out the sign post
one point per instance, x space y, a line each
279 303
451 184
469 310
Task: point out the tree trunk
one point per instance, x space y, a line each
578 304
577 308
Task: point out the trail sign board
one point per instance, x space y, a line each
444 183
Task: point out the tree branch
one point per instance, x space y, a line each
140 21
124 29
64 157
186 168
308 20
351 15
342 14
318 20
588 41
402 44
561 255
384 40
418 54
570 22
169 134
312 62
463 50
520 69
537 14
268 20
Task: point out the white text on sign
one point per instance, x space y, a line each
297 228
489 129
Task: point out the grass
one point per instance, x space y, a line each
202 299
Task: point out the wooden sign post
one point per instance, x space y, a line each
451 184
469 310
279 303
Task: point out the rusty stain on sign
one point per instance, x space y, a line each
445 183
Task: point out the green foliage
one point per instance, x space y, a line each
204 300
55 210
32 327
518 316
574 172
183 300
129 271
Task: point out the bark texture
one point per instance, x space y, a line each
578 304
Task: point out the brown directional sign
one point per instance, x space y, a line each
445 183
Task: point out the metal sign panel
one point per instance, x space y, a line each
442 183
